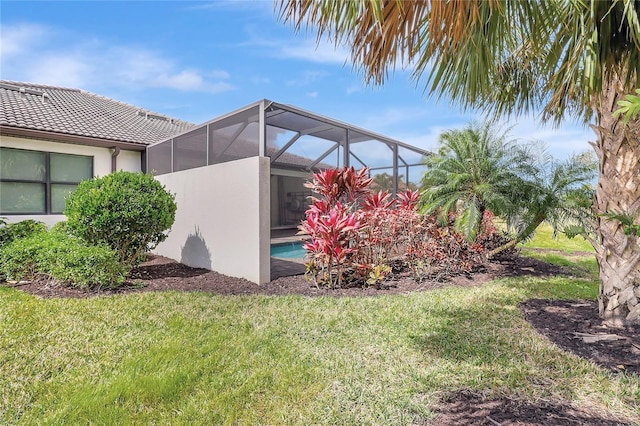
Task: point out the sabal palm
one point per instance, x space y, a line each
476 169
565 57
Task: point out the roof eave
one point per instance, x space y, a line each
69 138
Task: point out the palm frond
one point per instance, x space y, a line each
508 57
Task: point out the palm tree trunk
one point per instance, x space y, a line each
618 190
521 237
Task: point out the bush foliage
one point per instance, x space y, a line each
13 231
63 258
360 237
129 212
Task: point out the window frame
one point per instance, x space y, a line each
47 182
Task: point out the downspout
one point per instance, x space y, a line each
114 159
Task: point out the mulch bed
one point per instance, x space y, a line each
568 324
468 408
575 326
162 274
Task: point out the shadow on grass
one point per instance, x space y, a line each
486 342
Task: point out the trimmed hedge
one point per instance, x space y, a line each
129 212
66 259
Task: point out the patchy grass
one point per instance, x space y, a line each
575 254
195 358
579 265
544 239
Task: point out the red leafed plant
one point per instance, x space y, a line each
332 222
355 235
331 233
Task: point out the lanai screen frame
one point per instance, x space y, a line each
270 113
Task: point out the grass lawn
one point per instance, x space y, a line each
195 358
544 239
573 253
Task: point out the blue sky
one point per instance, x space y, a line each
198 60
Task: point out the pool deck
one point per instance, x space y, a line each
286 267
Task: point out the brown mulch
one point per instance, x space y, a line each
468 408
575 326
565 323
162 274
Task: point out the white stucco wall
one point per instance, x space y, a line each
222 220
127 160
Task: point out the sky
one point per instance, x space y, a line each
198 60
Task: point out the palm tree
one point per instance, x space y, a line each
476 169
552 192
563 57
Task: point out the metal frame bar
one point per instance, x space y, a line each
268 109
285 147
337 123
235 135
359 160
323 156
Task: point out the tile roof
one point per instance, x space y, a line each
80 113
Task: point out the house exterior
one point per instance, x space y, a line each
51 138
236 178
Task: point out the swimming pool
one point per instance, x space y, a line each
293 250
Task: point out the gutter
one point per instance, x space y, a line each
114 159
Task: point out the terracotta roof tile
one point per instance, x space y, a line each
81 113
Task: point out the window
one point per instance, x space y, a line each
33 182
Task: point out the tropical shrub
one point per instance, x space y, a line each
129 212
62 258
332 223
357 237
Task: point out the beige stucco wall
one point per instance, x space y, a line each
127 160
222 221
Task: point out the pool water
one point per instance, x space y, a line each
288 250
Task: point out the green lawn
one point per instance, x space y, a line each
544 239
194 358
576 254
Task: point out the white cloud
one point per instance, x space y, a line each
298 48
82 64
353 89
219 74
59 70
260 80
16 39
190 81
381 120
244 5
308 50
569 138
561 142
312 94
307 78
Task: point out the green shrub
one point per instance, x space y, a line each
61 227
65 258
129 212
13 231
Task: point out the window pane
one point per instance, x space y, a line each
19 197
21 164
70 168
58 194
